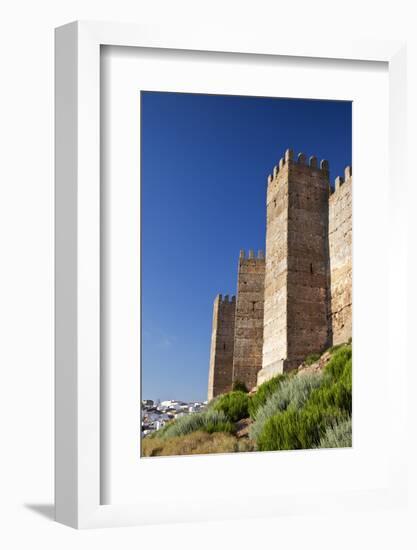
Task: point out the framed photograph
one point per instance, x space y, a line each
274 343
219 275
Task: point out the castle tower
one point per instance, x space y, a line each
297 276
249 319
222 346
340 245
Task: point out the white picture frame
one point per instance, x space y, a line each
78 405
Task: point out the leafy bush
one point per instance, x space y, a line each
295 429
292 391
208 421
262 394
312 358
336 390
334 395
337 363
309 411
233 405
339 434
240 386
193 443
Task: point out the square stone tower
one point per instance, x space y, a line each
297 276
247 360
222 346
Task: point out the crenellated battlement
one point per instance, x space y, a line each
340 180
226 299
251 255
300 161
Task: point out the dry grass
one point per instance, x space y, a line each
195 443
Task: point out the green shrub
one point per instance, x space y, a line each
339 434
262 394
292 391
240 386
335 395
336 390
234 405
308 410
208 421
296 429
337 363
346 377
312 358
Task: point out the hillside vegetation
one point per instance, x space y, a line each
305 409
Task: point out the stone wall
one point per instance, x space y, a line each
298 300
340 244
276 270
297 267
249 319
308 278
222 346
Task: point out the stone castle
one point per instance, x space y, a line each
297 299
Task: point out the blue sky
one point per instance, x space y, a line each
205 162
